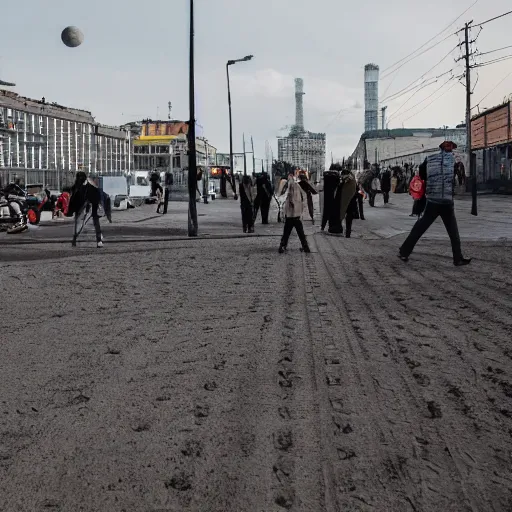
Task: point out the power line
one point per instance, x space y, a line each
492 90
431 39
421 86
423 100
423 75
492 19
494 51
416 56
494 61
433 101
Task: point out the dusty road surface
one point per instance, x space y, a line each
220 376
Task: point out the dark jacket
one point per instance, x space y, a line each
385 181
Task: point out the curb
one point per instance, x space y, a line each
55 241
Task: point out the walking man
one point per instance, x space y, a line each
439 193
293 208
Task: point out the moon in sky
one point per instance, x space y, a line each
72 37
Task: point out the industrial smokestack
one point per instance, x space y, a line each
383 110
299 109
371 97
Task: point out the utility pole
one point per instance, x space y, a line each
472 170
206 175
192 159
253 157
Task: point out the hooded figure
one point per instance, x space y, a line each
330 211
347 191
439 193
263 197
306 186
293 207
385 184
247 197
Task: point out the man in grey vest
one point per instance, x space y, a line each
439 193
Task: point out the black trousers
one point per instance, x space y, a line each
289 224
348 224
247 217
265 209
386 197
167 193
432 211
360 205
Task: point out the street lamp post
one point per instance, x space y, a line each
192 163
230 63
245 157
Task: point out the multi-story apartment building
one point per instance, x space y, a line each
47 143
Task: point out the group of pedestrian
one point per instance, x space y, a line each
343 200
255 196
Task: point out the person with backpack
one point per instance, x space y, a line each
417 191
293 208
439 203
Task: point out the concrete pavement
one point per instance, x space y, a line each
221 218
216 375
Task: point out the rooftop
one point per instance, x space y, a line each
409 132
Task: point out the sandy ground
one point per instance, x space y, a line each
220 376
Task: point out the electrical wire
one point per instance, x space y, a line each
493 51
432 39
422 76
492 19
492 90
433 101
420 102
427 85
494 61
385 75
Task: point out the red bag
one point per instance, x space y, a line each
417 188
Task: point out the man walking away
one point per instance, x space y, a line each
439 193
247 197
348 200
385 184
293 207
264 195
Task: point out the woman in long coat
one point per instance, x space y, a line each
247 197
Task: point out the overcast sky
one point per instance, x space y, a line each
135 59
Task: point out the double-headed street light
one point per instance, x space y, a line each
230 63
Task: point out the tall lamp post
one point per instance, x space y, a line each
192 163
230 63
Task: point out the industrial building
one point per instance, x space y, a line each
491 144
48 143
371 98
399 146
302 148
405 146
